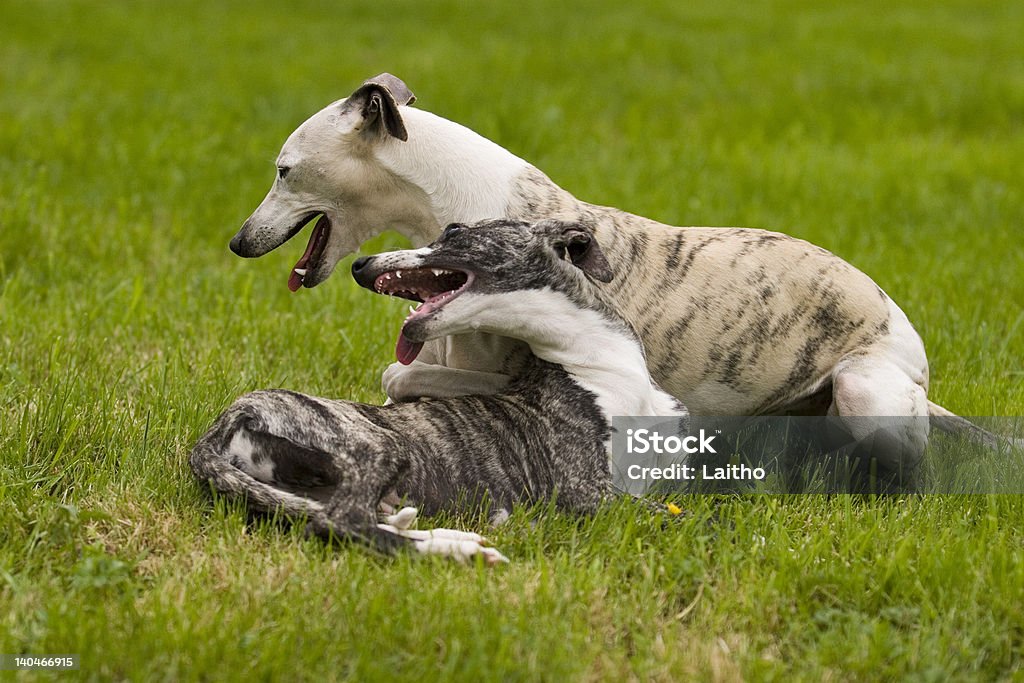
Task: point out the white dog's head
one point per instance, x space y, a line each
324 170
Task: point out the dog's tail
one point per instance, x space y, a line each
951 423
212 463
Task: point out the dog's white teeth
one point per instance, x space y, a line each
398 274
301 272
437 272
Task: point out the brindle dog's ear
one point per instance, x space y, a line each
583 251
379 98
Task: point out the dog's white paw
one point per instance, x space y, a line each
459 550
403 519
429 534
453 543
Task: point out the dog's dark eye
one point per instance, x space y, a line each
282 171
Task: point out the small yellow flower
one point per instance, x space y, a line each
674 509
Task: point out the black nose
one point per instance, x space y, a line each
236 244
359 264
361 273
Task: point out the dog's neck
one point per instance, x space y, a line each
601 353
462 175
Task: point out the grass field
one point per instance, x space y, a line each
135 138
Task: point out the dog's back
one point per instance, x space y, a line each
540 436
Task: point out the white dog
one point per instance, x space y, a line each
734 321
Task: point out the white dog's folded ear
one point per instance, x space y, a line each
380 98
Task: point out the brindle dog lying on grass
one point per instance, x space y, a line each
546 435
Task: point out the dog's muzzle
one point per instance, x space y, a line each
252 241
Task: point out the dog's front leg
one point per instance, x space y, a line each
421 380
350 515
453 543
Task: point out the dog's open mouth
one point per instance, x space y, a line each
310 260
432 287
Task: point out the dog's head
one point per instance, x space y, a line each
501 267
330 151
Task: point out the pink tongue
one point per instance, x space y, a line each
295 280
406 350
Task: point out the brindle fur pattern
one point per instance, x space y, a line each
758 318
735 321
544 437
335 461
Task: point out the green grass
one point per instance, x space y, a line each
135 138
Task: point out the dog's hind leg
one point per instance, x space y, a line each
215 460
268 448
282 451
881 393
884 410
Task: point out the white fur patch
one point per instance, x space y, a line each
242 453
599 354
465 176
